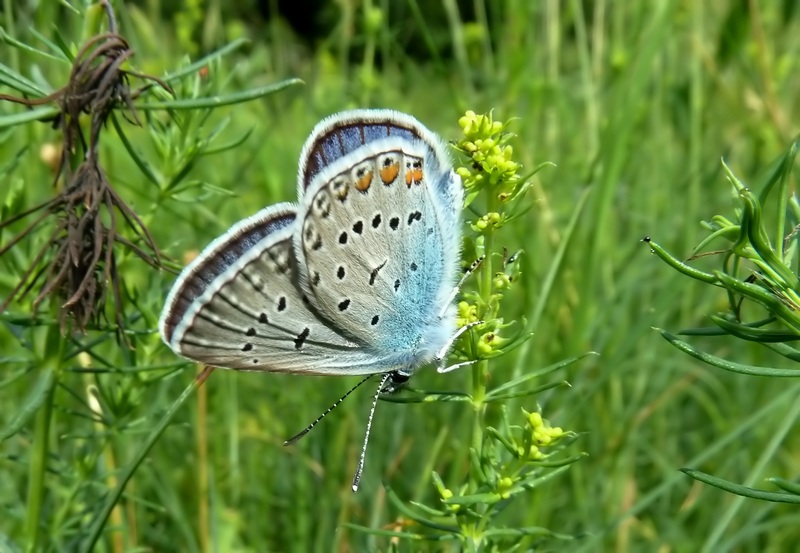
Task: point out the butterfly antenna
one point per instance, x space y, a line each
308 428
360 468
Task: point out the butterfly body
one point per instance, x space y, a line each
354 279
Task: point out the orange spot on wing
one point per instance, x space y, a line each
389 173
413 171
363 181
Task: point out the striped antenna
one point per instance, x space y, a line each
308 428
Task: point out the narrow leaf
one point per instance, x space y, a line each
724 363
738 489
30 404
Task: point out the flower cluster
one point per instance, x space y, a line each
485 142
541 435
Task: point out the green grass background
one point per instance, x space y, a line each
634 101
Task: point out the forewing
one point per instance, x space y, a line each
373 240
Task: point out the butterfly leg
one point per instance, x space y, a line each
457 366
442 355
471 269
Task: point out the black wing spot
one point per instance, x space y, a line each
344 304
374 274
376 221
414 216
358 227
305 300
255 361
396 284
394 222
251 331
315 279
247 347
301 338
414 266
340 272
282 303
263 319
374 320
343 238
317 245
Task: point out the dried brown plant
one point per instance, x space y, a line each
78 262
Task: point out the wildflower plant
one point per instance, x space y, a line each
519 450
759 262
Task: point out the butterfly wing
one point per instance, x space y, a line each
237 306
378 233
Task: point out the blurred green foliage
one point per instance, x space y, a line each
633 102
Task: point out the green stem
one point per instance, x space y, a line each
368 64
37 470
53 348
11 29
481 368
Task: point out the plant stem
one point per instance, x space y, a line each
38 467
481 368
203 517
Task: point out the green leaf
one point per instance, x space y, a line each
511 384
406 535
491 397
488 498
205 60
738 489
724 363
19 82
752 334
716 331
415 516
778 171
65 54
775 304
791 487
687 270
30 404
425 397
35 114
219 101
140 162
784 350
510 533
5 37
229 145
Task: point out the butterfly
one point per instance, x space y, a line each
358 277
